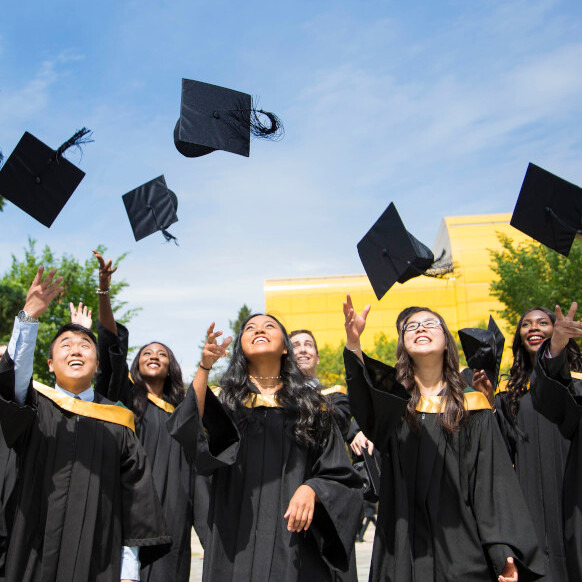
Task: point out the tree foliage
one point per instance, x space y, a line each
235 325
531 274
80 280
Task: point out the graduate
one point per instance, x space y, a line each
556 395
285 501
450 507
537 446
152 391
85 505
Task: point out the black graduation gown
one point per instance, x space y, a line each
84 490
450 506
7 483
539 452
172 471
557 396
256 468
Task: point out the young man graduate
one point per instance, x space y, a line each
85 505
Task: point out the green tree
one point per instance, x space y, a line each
235 325
531 274
80 280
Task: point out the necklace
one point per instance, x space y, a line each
265 377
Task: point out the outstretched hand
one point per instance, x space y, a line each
354 323
213 351
301 508
564 329
106 269
81 315
510 573
482 384
41 293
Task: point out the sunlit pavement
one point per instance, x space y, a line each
363 556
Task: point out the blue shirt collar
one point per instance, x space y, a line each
87 395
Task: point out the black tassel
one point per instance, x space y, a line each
168 236
80 138
252 120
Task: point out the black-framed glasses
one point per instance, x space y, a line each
427 324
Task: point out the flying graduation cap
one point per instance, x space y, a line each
390 254
483 349
214 118
150 208
40 180
549 209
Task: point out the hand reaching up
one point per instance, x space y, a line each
41 293
106 270
213 351
564 329
81 315
354 323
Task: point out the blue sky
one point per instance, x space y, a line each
437 106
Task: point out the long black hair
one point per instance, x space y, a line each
521 369
174 391
306 406
454 414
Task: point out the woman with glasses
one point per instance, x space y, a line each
450 505
537 447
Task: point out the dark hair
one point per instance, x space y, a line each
313 418
403 316
73 328
454 413
521 369
174 391
298 331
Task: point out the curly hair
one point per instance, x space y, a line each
174 390
310 411
521 369
454 414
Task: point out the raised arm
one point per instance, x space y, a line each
23 341
106 270
355 325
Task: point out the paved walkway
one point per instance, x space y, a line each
363 557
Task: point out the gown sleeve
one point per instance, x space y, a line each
377 400
343 412
506 426
143 520
112 378
551 393
213 442
501 513
337 517
14 419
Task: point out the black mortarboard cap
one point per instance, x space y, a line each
214 118
391 254
40 180
548 209
150 208
483 349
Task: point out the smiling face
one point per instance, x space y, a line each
154 361
73 361
424 341
535 327
262 336
305 353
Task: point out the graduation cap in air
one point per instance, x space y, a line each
150 208
548 209
391 254
40 180
214 118
483 349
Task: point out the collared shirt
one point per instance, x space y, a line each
21 351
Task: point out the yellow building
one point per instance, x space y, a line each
463 298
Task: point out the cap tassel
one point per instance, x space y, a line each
273 130
440 267
168 236
80 138
565 225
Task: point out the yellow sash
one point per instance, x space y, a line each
334 390
473 401
107 412
160 403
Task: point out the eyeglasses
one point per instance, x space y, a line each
427 324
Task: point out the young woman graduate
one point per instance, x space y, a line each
450 506
285 501
151 390
556 485
537 447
